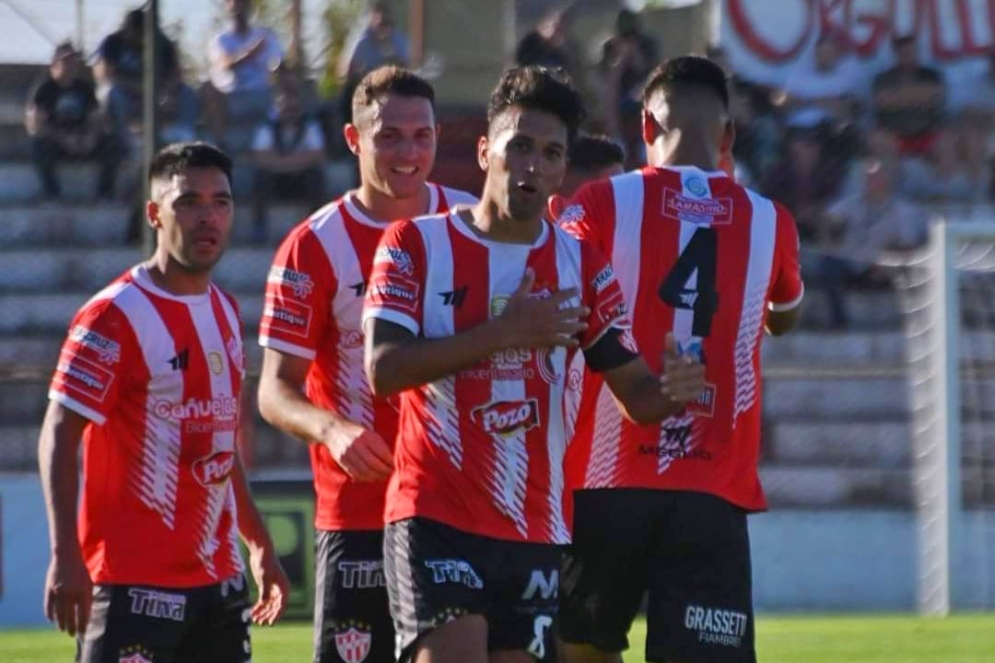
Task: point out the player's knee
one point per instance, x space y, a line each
585 653
463 640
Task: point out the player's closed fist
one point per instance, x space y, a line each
362 453
683 379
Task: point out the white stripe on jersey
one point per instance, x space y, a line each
762 240
629 200
440 402
206 326
605 444
162 440
509 477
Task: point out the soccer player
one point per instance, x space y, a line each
473 315
663 507
150 376
312 383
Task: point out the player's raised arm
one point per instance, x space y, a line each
67 584
397 359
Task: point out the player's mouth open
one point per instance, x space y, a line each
404 170
525 187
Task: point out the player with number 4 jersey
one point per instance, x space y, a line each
715 264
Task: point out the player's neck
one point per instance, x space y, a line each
698 156
383 208
487 220
169 275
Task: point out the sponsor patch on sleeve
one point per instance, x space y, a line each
396 256
287 316
81 378
394 292
300 283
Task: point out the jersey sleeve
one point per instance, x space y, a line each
396 289
787 289
589 214
94 361
300 287
603 295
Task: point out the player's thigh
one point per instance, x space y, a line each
700 607
523 594
605 568
132 623
221 632
351 616
434 577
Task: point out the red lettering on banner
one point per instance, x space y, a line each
867 30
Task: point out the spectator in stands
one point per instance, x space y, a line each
239 93
758 145
288 154
857 230
118 68
954 171
910 99
626 59
548 45
379 44
807 178
64 122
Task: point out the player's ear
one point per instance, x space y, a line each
728 137
650 127
483 150
152 214
351 133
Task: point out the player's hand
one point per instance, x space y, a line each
683 379
272 583
543 323
68 592
362 453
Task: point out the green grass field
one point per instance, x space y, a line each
803 639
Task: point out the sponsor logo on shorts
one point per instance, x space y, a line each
700 211
134 654
84 377
507 418
214 469
287 316
398 257
361 573
353 645
715 626
398 293
456 571
546 585
158 605
299 282
108 351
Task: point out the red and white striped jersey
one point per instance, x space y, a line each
699 255
159 377
482 450
314 301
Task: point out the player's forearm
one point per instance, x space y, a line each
57 463
398 364
284 406
643 403
251 526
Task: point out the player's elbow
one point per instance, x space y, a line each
380 375
266 399
780 323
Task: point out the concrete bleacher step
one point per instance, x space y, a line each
832 349
840 397
19 183
106 225
874 444
829 487
874 309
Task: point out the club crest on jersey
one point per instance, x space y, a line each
547 370
507 418
214 469
353 645
699 211
696 186
398 257
216 362
108 351
299 282
572 214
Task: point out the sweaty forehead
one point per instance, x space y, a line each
400 112
536 124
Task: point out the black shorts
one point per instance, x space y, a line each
351 613
138 624
436 574
690 551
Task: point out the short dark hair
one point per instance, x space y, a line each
174 159
684 73
591 152
386 80
538 88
